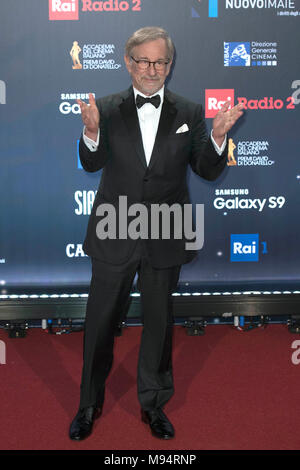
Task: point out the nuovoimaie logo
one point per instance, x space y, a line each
210 8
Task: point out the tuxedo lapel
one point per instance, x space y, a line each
129 114
168 114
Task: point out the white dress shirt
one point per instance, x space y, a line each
148 117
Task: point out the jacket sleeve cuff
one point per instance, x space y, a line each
91 144
218 149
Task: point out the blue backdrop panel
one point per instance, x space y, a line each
242 49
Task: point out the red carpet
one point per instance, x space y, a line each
234 390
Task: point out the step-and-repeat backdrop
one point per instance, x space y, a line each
55 51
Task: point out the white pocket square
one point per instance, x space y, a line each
183 128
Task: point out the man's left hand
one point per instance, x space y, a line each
224 120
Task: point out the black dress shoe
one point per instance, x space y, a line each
159 424
82 425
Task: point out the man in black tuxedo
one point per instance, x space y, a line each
144 139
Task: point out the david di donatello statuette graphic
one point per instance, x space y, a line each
74 53
143 138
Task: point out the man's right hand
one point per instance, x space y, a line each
90 117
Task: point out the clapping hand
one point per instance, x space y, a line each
224 120
90 117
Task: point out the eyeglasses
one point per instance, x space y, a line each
144 64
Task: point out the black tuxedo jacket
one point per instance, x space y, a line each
125 172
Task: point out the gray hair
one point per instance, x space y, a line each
149 33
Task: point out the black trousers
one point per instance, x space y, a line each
108 295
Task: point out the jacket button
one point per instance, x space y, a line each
146 179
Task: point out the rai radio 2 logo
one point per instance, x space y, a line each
216 98
69 9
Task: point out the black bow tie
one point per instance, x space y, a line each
140 101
